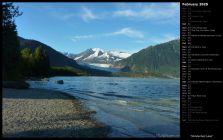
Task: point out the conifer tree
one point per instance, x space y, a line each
10 43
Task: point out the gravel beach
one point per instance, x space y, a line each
46 113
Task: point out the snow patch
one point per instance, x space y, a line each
76 58
98 56
119 54
100 65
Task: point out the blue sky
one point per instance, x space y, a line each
75 27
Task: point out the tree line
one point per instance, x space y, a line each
19 63
34 63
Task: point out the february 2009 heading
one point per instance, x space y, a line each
194 4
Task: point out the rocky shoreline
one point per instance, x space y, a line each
47 113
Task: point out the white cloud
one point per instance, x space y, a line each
88 15
161 12
125 13
62 16
163 38
57 12
154 11
81 37
157 39
129 32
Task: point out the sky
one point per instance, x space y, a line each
75 27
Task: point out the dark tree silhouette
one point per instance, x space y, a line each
10 43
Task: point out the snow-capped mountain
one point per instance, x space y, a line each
98 57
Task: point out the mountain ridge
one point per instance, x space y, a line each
162 58
61 60
98 56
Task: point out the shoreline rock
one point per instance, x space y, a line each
47 113
60 82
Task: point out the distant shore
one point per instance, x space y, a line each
46 113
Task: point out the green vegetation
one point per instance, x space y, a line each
162 58
67 71
138 74
24 58
10 44
34 63
56 59
28 58
41 61
60 61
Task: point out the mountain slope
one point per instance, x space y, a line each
98 56
56 58
162 58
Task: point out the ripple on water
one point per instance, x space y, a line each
117 95
135 100
120 102
114 84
